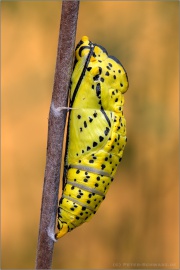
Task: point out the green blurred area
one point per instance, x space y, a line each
137 224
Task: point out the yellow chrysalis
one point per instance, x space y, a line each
96 133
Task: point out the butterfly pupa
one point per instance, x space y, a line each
96 135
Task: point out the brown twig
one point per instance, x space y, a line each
56 125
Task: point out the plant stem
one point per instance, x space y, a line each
56 123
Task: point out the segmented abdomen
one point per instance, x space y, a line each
96 134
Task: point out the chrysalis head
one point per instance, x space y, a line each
102 73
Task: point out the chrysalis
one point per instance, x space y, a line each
96 134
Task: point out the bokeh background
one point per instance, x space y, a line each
137 224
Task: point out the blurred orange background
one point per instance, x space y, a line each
137 225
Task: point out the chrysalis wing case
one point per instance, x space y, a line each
96 133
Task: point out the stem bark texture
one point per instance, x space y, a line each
56 124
